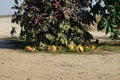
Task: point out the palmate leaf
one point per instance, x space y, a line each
107 24
115 35
118 16
107 29
64 26
102 24
49 36
62 39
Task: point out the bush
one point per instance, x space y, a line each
54 22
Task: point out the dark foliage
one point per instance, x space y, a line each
54 21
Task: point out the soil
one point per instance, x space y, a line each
20 65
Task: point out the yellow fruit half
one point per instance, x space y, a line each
93 47
49 48
29 48
87 47
54 48
80 48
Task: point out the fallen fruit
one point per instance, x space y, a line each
87 47
49 48
29 48
80 48
59 48
70 47
26 47
93 47
33 49
52 48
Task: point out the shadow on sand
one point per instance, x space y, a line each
7 44
13 43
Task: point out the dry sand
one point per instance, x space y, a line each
6 27
20 65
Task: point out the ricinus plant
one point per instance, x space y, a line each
54 22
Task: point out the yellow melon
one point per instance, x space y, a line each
80 48
93 47
52 48
29 48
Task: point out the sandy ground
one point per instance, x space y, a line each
20 65
6 27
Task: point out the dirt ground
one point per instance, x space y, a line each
21 65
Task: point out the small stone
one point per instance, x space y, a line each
100 77
2 63
28 79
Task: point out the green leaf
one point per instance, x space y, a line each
62 39
114 35
113 26
49 36
16 2
101 25
106 30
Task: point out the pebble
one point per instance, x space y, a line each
2 63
